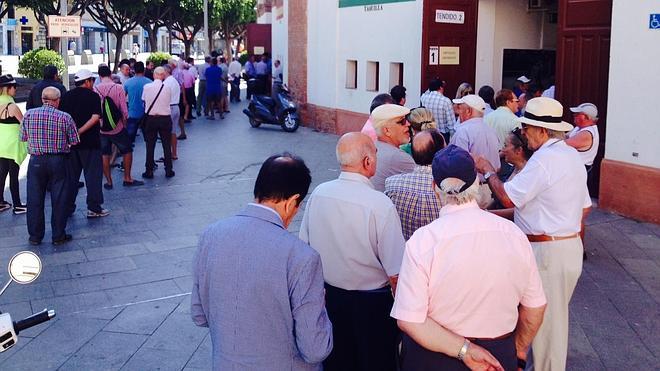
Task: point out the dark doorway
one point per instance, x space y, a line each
10 42
538 65
26 42
443 34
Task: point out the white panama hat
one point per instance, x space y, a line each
546 113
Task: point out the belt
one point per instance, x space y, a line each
495 338
545 238
172 105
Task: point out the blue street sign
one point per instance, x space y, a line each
654 21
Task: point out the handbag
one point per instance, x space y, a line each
143 120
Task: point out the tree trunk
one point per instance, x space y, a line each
210 41
187 44
152 34
228 53
120 40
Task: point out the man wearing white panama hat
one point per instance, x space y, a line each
548 197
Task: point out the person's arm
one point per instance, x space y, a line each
504 213
72 136
197 313
312 327
529 321
436 338
391 246
582 141
94 120
16 112
496 186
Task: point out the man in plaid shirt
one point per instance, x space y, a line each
440 106
50 133
412 193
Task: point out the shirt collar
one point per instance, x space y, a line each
423 169
355 177
449 208
267 208
549 142
473 120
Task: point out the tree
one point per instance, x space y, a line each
157 14
188 20
119 17
233 17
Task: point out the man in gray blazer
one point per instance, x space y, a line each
259 288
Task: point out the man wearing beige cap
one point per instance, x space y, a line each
584 136
392 130
476 137
549 197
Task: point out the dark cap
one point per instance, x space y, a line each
6 80
454 162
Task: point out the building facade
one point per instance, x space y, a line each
337 55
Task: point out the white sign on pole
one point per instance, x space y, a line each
433 55
63 26
449 16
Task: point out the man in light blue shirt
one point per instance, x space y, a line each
259 288
134 88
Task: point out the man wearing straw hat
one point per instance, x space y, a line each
548 197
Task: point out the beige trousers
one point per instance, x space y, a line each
560 266
485 197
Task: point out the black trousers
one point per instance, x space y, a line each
90 163
414 357
11 168
158 126
365 336
47 172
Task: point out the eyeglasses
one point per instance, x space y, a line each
402 122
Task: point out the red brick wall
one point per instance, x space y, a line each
630 190
298 51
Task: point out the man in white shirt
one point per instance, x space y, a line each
504 120
235 79
549 197
175 96
584 136
392 131
158 122
357 232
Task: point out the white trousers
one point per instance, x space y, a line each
560 266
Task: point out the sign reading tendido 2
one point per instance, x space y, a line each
349 3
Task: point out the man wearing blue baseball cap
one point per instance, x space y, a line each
469 289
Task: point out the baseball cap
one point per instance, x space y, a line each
387 112
83 75
588 109
473 101
524 79
453 162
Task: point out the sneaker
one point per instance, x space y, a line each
63 240
4 205
133 183
100 214
182 137
148 175
20 209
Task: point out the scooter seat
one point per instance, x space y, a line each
266 100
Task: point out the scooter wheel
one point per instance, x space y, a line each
254 123
290 123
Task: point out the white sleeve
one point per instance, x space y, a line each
527 184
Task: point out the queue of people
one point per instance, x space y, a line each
419 271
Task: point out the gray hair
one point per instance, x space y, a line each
354 155
50 93
556 134
448 191
167 68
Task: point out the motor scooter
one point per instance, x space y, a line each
280 109
24 268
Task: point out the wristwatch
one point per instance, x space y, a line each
464 349
488 175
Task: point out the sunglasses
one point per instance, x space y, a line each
402 122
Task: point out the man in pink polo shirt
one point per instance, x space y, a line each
469 292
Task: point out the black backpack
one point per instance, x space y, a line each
110 113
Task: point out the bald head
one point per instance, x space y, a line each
352 150
425 144
51 96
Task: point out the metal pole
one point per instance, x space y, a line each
64 47
207 43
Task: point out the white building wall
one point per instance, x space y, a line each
322 44
280 40
633 116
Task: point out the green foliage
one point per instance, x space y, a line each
33 62
243 57
158 58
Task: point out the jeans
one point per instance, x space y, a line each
47 172
132 128
236 90
158 126
201 97
11 168
89 162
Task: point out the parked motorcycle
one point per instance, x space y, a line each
24 268
280 109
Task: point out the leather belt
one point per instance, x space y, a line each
546 238
495 338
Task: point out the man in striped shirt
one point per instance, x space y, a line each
50 133
440 106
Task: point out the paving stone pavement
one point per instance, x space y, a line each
121 287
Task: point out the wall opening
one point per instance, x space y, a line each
351 74
396 74
372 75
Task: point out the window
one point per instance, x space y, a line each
372 76
396 74
351 74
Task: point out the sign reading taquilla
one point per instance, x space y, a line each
349 3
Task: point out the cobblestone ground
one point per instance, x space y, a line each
121 287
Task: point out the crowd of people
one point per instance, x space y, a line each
450 241
108 111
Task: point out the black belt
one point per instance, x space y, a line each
385 289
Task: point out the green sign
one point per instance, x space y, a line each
348 3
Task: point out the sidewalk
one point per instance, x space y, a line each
121 287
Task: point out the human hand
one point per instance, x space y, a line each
482 165
479 359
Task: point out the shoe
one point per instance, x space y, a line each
222 117
120 167
133 183
107 186
182 137
61 241
169 174
227 112
162 159
20 209
34 242
4 205
148 175
81 184
100 214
